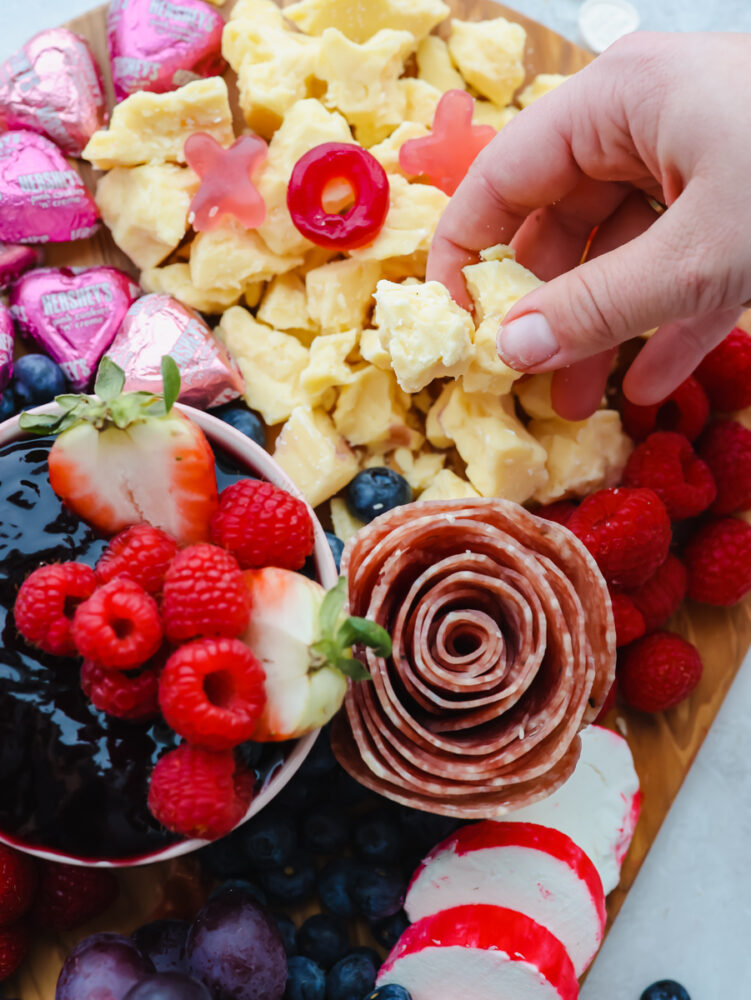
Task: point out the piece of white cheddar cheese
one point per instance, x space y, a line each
434 65
345 524
174 280
372 410
285 305
360 20
315 457
411 221
327 366
542 84
448 486
234 257
489 55
340 294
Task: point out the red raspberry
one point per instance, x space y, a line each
560 511
132 696
18 879
718 560
46 602
119 626
658 671
662 594
626 530
608 704
685 411
14 944
197 793
725 373
667 464
212 692
142 553
204 595
629 621
263 525
70 895
726 448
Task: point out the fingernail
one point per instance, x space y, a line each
526 342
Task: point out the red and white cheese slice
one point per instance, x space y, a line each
521 866
599 805
480 953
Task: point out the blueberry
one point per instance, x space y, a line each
378 838
7 404
321 760
369 953
102 965
293 881
289 933
225 858
388 931
241 885
305 980
163 941
337 547
270 838
324 939
348 791
168 986
36 380
424 829
378 892
376 490
666 989
335 886
300 793
244 420
325 829
352 978
391 991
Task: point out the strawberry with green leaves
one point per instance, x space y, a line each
124 458
303 640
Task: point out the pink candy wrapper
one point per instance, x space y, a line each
159 45
42 198
157 325
6 347
53 86
73 314
14 260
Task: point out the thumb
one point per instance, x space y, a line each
662 275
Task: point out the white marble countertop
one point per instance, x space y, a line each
688 916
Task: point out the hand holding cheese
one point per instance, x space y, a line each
624 127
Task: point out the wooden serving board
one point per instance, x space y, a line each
664 745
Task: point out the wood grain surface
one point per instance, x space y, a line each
664 746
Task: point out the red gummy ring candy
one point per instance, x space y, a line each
319 167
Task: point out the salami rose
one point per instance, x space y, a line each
503 650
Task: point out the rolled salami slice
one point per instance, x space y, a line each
503 650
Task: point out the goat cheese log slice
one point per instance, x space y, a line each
481 953
503 649
521 866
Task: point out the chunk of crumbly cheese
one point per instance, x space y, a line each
233 257
328 366
542 84
490 56
421 100
146 209
582 456
361 20
502 458
271 363
285 304
246 17
340 294
253 293
487 113
362 80
259 12
387 152
315 457
372 350
534 395
345 525
486 372
306 124
426 334
174 280
497 285
420 469
411 221
434 65
372 410
152 128
448 486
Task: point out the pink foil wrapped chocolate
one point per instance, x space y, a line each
53 86
14 260
159 45
157 325
72 314
6 347
42 198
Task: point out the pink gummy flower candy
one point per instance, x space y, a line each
226 175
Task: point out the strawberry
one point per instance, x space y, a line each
300 636
125 458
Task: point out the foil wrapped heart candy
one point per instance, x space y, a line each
72 314
159 45
14 260
6 347
53 86
42 198
156 325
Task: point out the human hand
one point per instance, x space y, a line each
658 115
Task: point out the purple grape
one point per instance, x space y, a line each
169 986
164 943
102 967
236 950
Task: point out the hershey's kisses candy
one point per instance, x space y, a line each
14 260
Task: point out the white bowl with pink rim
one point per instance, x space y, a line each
258 463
